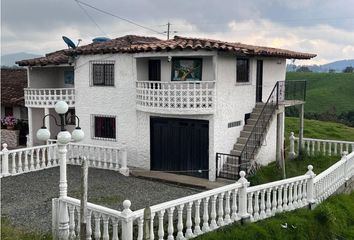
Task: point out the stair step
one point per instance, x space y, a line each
245 134
235 152
242 140
248 127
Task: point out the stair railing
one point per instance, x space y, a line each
256 137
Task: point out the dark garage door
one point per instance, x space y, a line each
180 145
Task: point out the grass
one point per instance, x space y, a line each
10 232
319 129
332 219
327 91
312 129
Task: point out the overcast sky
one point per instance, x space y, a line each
324 27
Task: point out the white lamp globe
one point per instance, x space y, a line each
43 134
78 134
64 137
61 107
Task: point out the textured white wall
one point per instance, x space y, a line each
267 153
118 101
47 77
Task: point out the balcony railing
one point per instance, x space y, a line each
192 97
47 97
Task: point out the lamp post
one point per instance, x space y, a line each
64 137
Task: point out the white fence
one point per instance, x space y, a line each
23 160
191 216
320 146
190 97
30 159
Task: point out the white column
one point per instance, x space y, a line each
63 188
30 128
280 141
47 119
242 197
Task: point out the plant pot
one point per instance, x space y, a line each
10 127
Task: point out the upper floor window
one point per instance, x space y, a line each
242 69
102 73
187 69
104 127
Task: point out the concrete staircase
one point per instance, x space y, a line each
231 167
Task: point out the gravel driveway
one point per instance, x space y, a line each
26 200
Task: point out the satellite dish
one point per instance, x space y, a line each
69 42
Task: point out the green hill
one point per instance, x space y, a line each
333 92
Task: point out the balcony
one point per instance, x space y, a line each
47 97
191 97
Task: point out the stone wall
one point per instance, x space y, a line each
11 137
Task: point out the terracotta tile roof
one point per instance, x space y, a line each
181 43
53 58
13 81
136 44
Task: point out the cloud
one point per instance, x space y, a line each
323 27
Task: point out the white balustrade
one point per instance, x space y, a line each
328 181
23 160
320 146
190 97
268 199
47 97
100 218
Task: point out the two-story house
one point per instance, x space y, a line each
176 104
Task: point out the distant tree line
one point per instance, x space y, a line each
330 115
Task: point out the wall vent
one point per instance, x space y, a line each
234 124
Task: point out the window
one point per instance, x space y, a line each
102 73
69 77
242 68
104 127
186 69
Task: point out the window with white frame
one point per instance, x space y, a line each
103 127
102 73
242 70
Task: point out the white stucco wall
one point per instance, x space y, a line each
47 77
106 100
267 152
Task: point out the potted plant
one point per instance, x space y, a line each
9 122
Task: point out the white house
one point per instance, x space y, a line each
176 104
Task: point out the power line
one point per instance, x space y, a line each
116 16
91 18
169 30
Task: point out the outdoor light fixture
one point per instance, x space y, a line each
63 136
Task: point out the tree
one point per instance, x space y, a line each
349 69
303 69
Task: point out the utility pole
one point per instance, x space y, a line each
168 30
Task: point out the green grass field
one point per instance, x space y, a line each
312 129
327 91
10 232
332 219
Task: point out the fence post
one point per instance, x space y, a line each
63 229
311 198
242 198
127 222
5 161
345 158
124 170
55 217
292 153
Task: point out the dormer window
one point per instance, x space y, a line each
102 73
243 70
